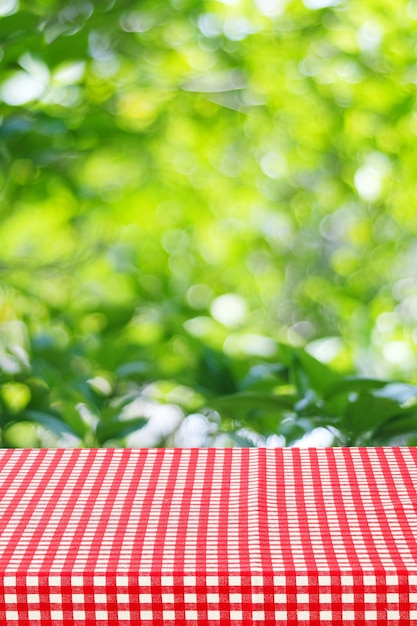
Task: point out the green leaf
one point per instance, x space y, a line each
49 421
215 372
72 417
294 429
119 428
264 377
309 373
352 384
249 400
240 441
263 412
402 424
368 412
15 26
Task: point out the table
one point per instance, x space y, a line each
208 537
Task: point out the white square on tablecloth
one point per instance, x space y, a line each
78 598
190 598
325 598
146 598
370 598
303 615
12 615
349 598
394 615
100 598
34 615
10 598
167 598
394 598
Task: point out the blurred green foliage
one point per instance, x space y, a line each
185 187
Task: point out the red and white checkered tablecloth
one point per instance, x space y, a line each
208 537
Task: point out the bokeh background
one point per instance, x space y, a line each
185 186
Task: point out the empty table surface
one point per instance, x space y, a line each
208 536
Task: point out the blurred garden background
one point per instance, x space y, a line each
208 222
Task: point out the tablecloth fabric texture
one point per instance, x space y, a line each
199 537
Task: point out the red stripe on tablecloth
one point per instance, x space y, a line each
204 513
324 523
244 546
203 523
183 553
219 510
185 536
314 525
285 496
298 531
264 524
165 509
145 503
302 513
283 519
161 540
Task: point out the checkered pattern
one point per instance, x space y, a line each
208 537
